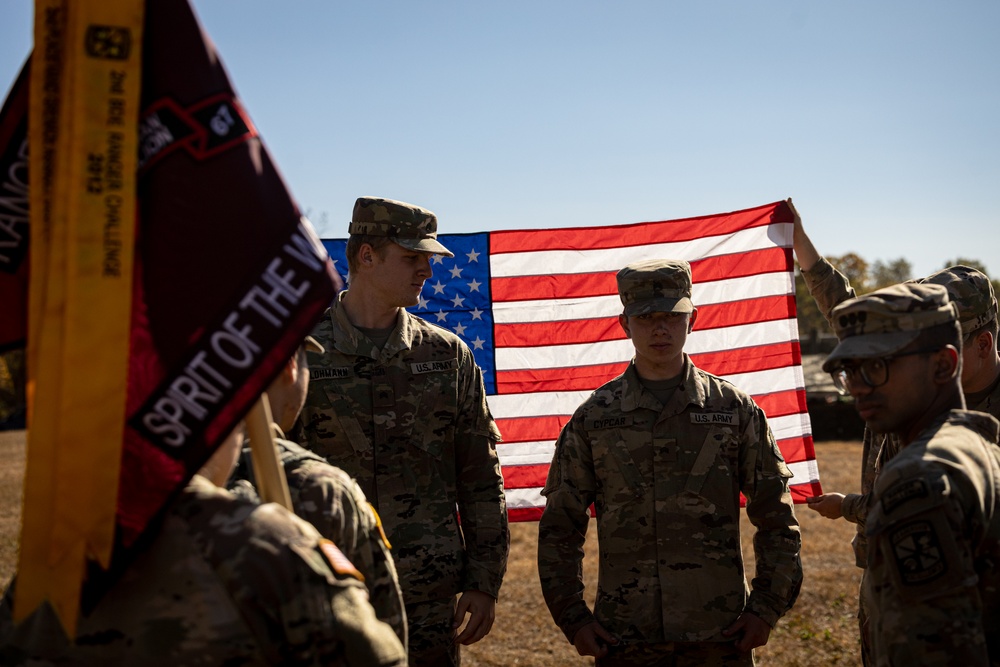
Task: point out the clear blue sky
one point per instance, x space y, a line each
881 119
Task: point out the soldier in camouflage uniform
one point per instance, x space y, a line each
663 452
326 496
973 293
933 523
400 405
224 582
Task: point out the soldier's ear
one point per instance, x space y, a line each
691 320
366 254
946 364
623 322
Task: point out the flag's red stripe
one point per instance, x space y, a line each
530 429
799 494
797 450
643 233
546 428
524 477
749 359
580 378
576 285
516 514
746 311
563 332
583 378
571 332
781 403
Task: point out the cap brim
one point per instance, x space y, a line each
425 245
664 305
869 346
312 345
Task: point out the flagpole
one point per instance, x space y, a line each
268 471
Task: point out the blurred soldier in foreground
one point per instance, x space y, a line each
225 581
972 292
933 524
400 405
326 496
663 452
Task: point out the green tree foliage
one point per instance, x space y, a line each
890 273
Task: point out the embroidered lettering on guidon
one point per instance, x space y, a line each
723 418
329 373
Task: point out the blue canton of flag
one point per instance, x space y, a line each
456 297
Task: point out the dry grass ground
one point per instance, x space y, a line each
820 630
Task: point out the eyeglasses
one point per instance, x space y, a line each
873 372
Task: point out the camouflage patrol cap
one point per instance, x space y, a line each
656 285
971 291
407 225
887 320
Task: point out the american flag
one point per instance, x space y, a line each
539 309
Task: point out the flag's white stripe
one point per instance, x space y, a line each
524 498
802 473
540 452
616 351
550 262
790 426
743 335
543 403
582 308
768 381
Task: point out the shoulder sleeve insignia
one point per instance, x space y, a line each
338 561
918 554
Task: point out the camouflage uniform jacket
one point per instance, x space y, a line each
829 287
225 581
411 424
666 482
330 500
933 580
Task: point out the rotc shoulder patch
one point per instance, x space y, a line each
619 421
338 561
725 418
421 367
329 373
917 551
903 492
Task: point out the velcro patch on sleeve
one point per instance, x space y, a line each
338 561
903 492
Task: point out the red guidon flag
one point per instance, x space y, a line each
539 309
172 276
14 215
